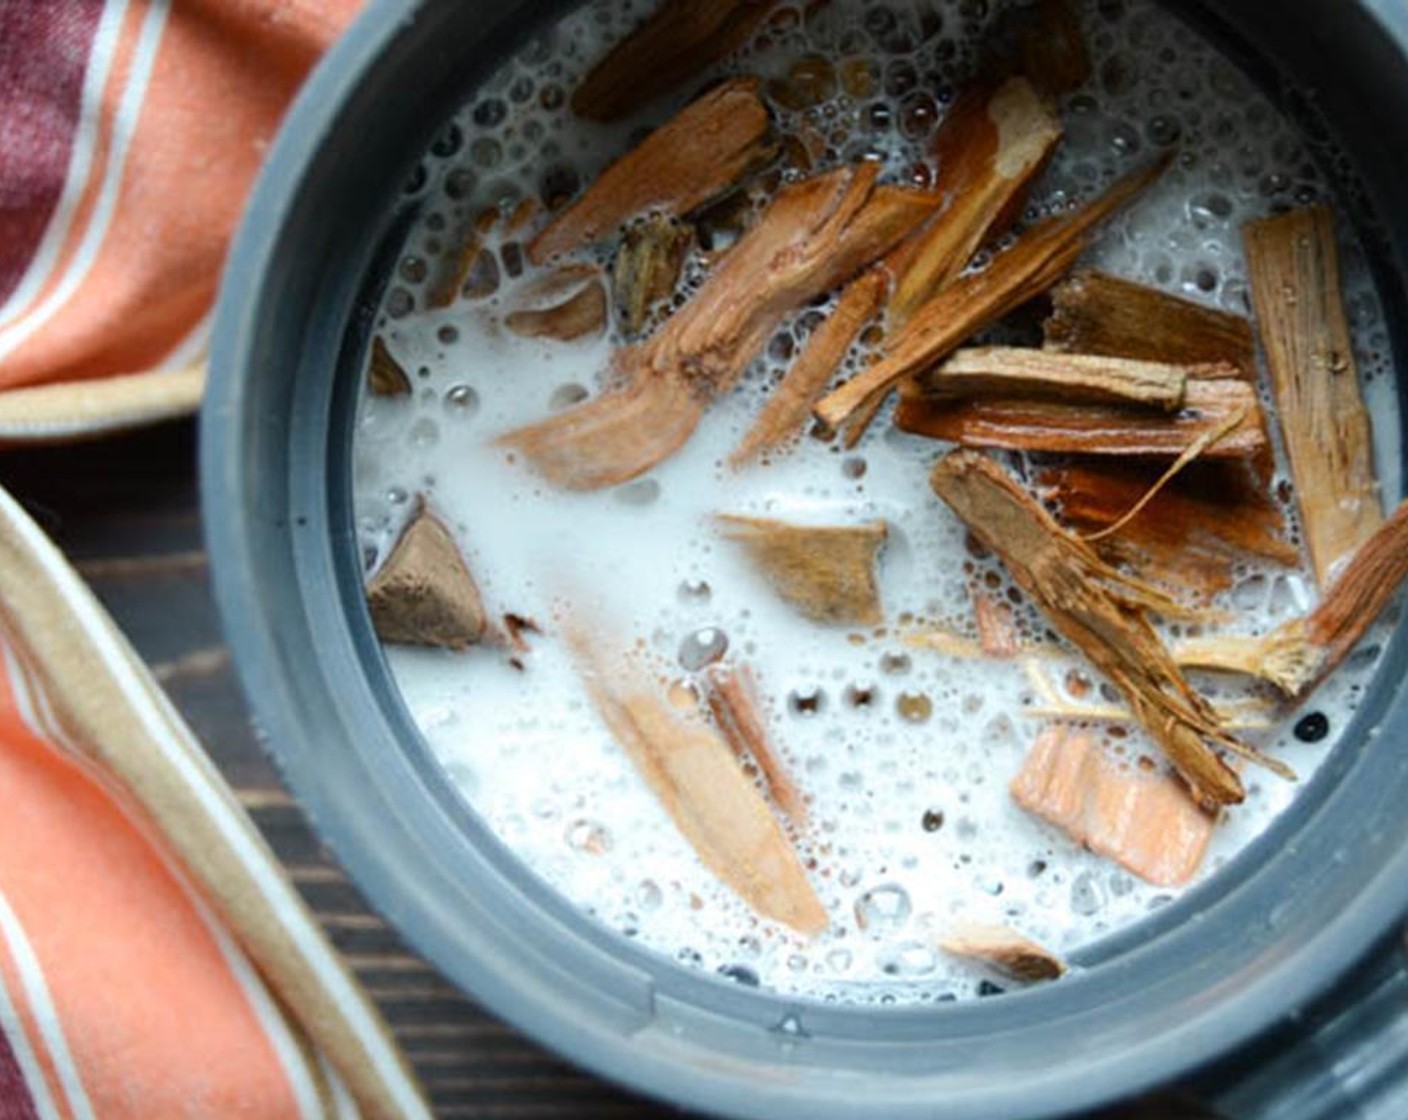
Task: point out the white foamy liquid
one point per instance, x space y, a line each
526 748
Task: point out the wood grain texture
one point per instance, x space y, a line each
125 512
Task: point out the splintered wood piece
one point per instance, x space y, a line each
386 377
1015 372
699 782
1192 533
681 39
1005 950
1054 54
788 408
1295 280
423 594
576 317
1101 611
1145 822
816 234
860 421
1299 654
1095 313
1054 704
733 699
1286 664
699 154
826 572
971 303
647 267
1209 407
991 147
1038 658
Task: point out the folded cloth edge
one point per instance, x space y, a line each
68 411
118 716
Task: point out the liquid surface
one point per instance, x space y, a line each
904 754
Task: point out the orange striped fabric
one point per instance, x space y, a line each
155 962
107 958
130 134
154 959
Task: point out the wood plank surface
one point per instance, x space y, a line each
125 512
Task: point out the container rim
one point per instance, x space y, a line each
605 1011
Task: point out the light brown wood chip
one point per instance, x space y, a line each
816 234
692 158
826 572
1146 822
423 594
1295 279
699 782
1005 950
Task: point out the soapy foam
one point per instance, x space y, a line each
905 755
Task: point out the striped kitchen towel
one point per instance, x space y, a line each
130 134
155 962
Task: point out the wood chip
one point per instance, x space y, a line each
696 156
699 782
1095 313
1145 822
647 267
1193 534
1015 372
578 316
681 38
614 437
386 377
423 593
816 234
733 699
1037 425
1299 654
993 144
1102 612
826 572
1294 270
1008 952
787 410
976 301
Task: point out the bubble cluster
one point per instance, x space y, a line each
903 753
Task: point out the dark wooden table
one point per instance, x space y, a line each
125 511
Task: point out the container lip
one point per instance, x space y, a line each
646 1060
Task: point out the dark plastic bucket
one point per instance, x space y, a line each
1320 895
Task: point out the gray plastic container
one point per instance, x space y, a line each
1262 951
